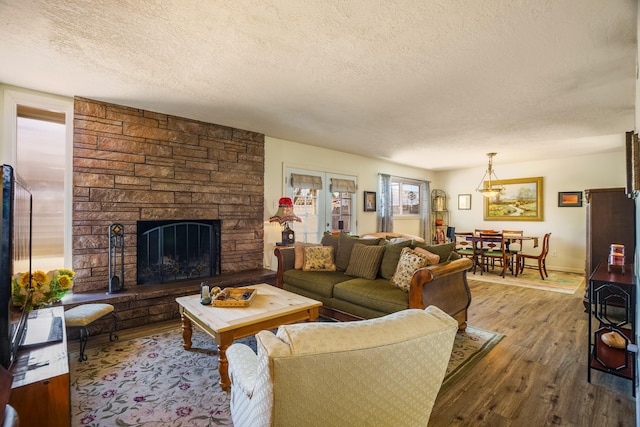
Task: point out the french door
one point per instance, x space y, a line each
325 202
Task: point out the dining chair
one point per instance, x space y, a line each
515 245
465 246
541 258
495 250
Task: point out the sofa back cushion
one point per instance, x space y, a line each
328 239
444 250
391 257
345 246
365 261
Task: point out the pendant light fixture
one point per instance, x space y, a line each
489 188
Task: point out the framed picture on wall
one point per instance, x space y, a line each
369 201
464 202
570 199
521 200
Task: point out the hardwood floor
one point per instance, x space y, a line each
537 374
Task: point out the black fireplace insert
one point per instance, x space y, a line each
176 250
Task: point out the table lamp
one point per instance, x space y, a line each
284 215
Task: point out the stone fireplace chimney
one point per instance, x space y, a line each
133 165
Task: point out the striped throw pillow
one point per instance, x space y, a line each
365 261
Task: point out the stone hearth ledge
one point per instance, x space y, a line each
139 305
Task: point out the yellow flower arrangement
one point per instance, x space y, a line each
44 288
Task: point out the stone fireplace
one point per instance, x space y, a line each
177 250
132 165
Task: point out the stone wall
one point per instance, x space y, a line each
131 164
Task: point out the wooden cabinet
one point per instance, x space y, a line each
40 391
612 311
610 219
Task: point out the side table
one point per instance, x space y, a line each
612 308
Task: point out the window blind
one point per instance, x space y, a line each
343 185
306 181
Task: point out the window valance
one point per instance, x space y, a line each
343 185
306 181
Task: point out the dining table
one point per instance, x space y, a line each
508 237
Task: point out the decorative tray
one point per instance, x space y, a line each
235 297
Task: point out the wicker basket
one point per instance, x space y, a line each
235 297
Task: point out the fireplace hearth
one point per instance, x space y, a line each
175 250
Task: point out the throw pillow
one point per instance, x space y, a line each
444 250
410 261
318 258
345 246
365 261
433 258
298 248
391 257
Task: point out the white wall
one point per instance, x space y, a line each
280 154
567 224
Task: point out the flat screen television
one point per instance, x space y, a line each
15 257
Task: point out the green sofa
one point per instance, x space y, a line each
346 297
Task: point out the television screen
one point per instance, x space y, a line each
15 257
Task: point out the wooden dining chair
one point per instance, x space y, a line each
541 258
465 247
495 250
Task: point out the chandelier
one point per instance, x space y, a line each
489 188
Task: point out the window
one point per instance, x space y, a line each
405 195
39 145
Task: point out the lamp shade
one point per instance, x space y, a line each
285 212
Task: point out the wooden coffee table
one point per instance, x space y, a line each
271 308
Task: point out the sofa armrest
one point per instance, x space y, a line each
445 286
286 261
243 367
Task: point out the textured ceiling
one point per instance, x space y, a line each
435 84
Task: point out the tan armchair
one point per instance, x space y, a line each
384 372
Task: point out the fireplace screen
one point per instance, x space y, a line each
171 251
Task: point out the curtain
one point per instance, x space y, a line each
385 205
425 220
343 185
306 181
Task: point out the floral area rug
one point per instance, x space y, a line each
153 381
558 281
